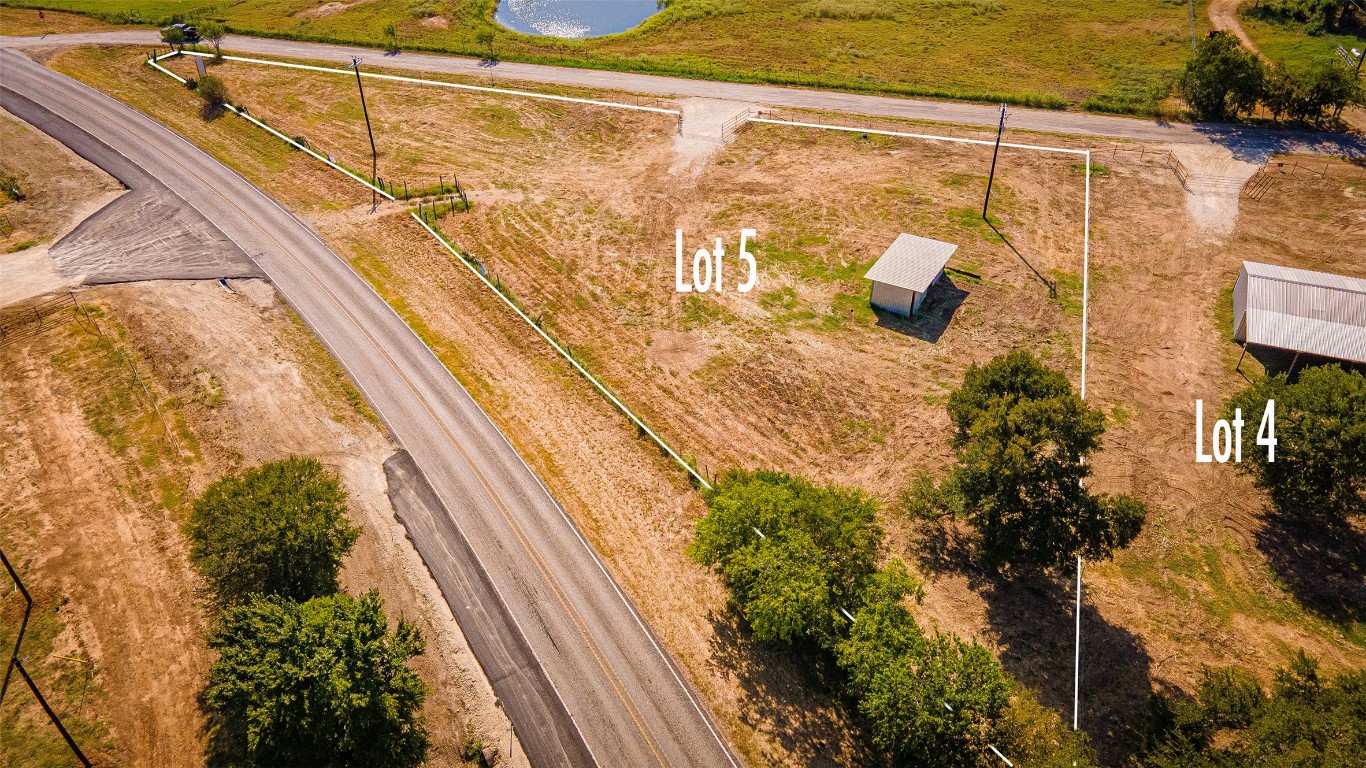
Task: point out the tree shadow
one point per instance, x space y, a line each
1256 144
793 693
225 737
1320 559
936 313
1033 615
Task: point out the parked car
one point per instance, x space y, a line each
191 34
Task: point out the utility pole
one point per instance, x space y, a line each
992 177
1192 5
374 154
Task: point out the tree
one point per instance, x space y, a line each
818 546
1306 720
1330 85
485 37
214 32
173 36
391 35
320 683
1022 437
1222 79
279 529
930 700
1320 466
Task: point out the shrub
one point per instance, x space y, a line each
214 93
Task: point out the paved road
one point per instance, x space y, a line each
1251 143
624 695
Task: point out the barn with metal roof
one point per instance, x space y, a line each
906 271
1301 311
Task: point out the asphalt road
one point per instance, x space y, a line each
624 695
1251 142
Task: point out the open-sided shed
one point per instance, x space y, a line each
906 271
1316 313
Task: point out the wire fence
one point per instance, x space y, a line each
18 324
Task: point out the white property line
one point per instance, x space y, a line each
154 62
443 84
565 354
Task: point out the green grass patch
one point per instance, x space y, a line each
1108 54
24 246
1295 44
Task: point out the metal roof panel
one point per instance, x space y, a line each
911 262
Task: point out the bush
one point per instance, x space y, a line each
1305 721
214 92
906 682
279 529
322 683
818 547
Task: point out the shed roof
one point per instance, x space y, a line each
911 262
1296 309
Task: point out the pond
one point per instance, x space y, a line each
574 18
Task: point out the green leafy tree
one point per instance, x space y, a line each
391 35
1320 466
1222 79
1022 436
280 529
791 553
320 683
214 32
1306 721
1330 86
485 38
930 700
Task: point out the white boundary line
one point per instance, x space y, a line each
443 84
302 148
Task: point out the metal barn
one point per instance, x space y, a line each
1301 311
906 271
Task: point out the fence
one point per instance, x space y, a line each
735 125
31 321
1266 176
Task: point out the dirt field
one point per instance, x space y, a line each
575 211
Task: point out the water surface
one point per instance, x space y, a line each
574 18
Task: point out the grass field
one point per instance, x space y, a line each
1111 55
1291 43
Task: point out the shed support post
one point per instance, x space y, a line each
1239 367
